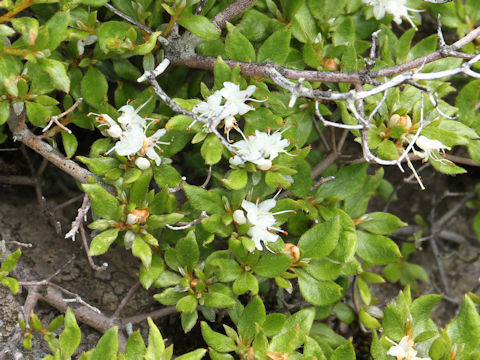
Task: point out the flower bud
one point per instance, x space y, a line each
129 239
193 283
142 163
293 251
115 131
264 164
331 65
403 120
137 216
239 217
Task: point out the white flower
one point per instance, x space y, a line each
261 221
88 40
404 349
234 104
260 149
397 8
431 149
235 98
211 107
130 129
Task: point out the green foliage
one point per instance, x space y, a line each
233 241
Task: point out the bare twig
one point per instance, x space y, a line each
54 119
209 176
126 299
87 251
435 250
169 310
184 225
80 218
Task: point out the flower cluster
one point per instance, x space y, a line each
233 105
261 221
404 349
260 149
130 131
397 8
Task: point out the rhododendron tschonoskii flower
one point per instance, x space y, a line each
234 105
260 149
431 149
261 221
130 129
397 8
404 349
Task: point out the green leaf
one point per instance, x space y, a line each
11 283
166 175
148 46
169 296
321 239
244 283
94 87
381 223
140 188
11 261
156 345
107 346
100 166
253 314
202 199
345 33
211 150
276 47
193 355
377 249
187 251
237 179
70 144
57 72
148 277
102 242
94 2
28 27
135 348
347 182
187 304
4 112
103 203
218 300
37 114
57 29
217 341
344 352
465 328
394 323
271 265
273 324
160 221
200 26
237 46
317 292
188 320
143 251
71 335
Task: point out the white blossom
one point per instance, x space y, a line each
130 129
431 149
233 104
397 8
261 221
260 149
404 349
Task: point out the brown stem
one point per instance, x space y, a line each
16 9
231 11
259 69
